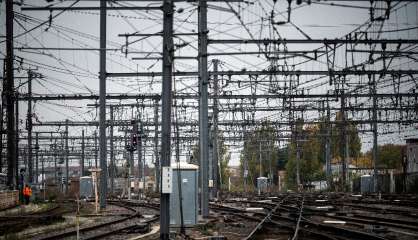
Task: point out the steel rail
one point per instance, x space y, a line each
101 225
295 235
266 218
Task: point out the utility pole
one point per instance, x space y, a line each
55 163
259 159
156 155
328 126
215 130
375 149
17 136
66 157
139 148
129 165
343 141
112 158
203 107
143 164
210 163
43 174
95 149
9 100
297 158
36 157
102 108
168 58
244 130
1 132
82 154
29 126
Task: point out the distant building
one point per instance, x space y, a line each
412 155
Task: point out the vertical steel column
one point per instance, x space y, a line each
66 157
43 173
1 131
168 50
215 130
112 157
17 136
156 155
36 157
375 147
203 107
210 162
328 145
139 149
95 149
259 159
102 102
297 157
55 163
260 166
143 163
129 165
9 100
82 154
29 127
343 142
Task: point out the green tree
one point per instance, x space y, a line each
223 156
259 144
389 155
354 142
310 152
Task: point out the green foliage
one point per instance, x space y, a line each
310 153
312 148
389 156
283 156
354 142
223 156
259 144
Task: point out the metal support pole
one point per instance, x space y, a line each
55 163
260 160
156 155
82 154
215 130
66 157
112 157
375 147
260 167
1 132
17 137
43 174
95 149
29 127
102 102
203 107
210 163
140 163
297 138
130 162
343 142
143 167
168 50
9 100
328 126
36 157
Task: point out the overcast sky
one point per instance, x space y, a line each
73 72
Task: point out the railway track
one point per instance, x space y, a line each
133 223
15 223
286 215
